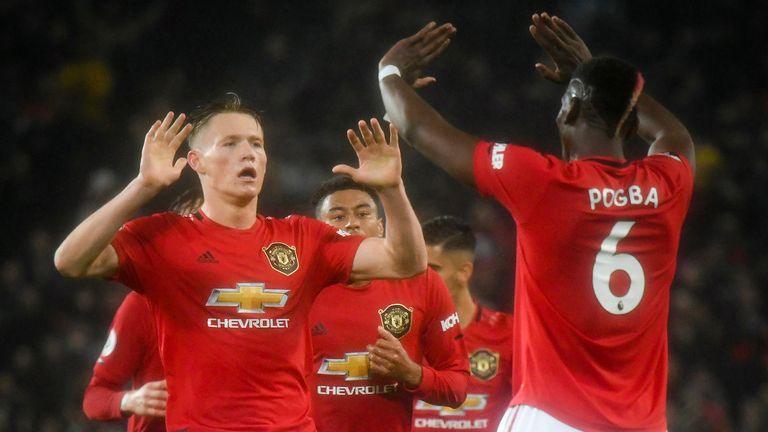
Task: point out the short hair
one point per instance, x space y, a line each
339 183
612 88
230 102
449 232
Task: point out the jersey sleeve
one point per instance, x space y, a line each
133 245
445 375
121 357
516 176
674 170
334 252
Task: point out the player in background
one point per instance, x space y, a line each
230 289
597 235
487 336
370 338
129 355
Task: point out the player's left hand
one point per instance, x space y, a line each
412 54
566 49
380 166
388 358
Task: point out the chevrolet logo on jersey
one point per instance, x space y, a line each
473 402
354 366
248 297
484 364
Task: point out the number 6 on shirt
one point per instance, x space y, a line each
607 262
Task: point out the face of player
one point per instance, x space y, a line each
228 154
352 210
454 267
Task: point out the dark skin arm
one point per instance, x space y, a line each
423 127
657 126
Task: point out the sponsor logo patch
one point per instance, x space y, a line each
353 367
248 297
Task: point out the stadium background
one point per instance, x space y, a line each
83 80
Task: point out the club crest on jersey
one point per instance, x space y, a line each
353 367
484 364
396 319
282 258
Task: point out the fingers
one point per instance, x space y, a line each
424 31
435 38
153 130
544 32
557 30
344 169
174 128
394 139
179 165
378 133
424 82
431 56
386 335
546 72
355 141
164 125
366 133
566 28
180 137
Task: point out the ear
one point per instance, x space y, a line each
573 110
195 161
465 271
380 227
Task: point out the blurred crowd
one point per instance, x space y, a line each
83 80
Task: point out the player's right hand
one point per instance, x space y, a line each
414 53
149 400
158 169
566 49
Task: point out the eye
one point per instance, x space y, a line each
337 218
228 143
257 144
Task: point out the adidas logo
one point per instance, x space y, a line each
207 257
319 330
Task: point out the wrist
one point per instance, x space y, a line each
413 377
125 402
387 70
145 187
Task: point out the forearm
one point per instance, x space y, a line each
662 130
427 131
78 253
404 241
102 402
442 387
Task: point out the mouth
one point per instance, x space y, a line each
247 174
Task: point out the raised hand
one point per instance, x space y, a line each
413 53
379 162
566 49
158 169
149 400
388 358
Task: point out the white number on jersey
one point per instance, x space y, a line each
607 262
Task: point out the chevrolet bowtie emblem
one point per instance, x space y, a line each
248 297
353 367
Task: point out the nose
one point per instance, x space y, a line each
352 224
247 151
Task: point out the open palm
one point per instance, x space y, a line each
379 162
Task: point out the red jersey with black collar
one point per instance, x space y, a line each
597 242
344 319
231 308
488 338
130 355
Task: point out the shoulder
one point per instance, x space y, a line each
135 307
155 223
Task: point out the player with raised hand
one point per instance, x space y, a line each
597 235
487 335
130 355
231 289
370 339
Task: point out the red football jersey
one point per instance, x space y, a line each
597 244
420 313
231 310
488 338
129 355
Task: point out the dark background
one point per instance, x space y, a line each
82 81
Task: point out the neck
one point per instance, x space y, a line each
591 142
230 214
465 306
